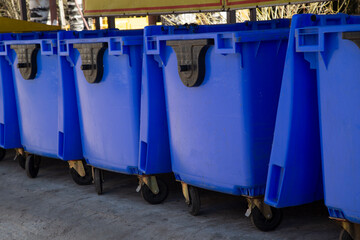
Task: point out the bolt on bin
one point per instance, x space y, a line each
9 128
331 46
46 103
122 113
222 85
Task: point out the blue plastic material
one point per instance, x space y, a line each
295 175
221 131
9 127
337 60
46 105
122 117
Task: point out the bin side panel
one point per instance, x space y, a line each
154 149
37 104
340 124
295 175
109 112
221 131
69 140
9 126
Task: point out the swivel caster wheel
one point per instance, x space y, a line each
32 165
152 198
344 235
21 160
85 180
194 204
98 180
264 224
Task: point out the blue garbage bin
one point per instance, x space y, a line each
9 127
222 85
331 46
122 113
295 175
46 101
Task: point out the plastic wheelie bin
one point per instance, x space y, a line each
222 85
122 113
9 128
46 103
331 46
295 175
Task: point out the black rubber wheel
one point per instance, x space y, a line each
152 198
263 224
86 180
21 160
2 153
98 180
344 235
194 204
32 165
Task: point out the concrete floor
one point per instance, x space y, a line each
52 206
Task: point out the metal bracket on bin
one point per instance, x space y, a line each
92 60
149 181
78 166
352 36
26 55
259 203
191 59
353 229
185 190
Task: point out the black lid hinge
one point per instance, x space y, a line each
26 55
92 60
191 59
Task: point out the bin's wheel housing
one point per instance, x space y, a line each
263 224
152 198
98 180
2 153
194 204
86 180
32 165
344 235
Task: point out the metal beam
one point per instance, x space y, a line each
97 23
152 19
62 13
253 14
231 17
111 22
23 9
53 12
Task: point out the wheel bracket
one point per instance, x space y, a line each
185 190
149 181
352 228
78 166
259 203
19 152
